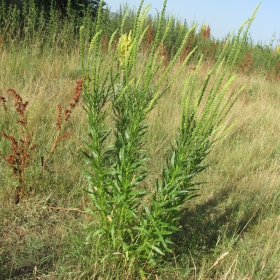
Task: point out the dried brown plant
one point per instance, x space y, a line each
163 54
212 50
189 46
247 63
3 102
192 68
268 75
60 122
150 36
104 42
276 74
116 42
206 32
75 99
19 106
22 148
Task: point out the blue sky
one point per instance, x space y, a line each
223 16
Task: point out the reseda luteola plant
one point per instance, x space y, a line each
133 226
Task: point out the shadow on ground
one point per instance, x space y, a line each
205 224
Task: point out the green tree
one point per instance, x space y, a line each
77 6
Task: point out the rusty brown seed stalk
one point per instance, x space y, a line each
274 74
61 122
22 148
247 63
3 102
189 46
206 32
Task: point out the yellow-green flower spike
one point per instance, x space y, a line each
203 27
277 49
124 45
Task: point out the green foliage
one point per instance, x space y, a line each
47 24
134 221
70 7
132 224
43 237
56 24
65 7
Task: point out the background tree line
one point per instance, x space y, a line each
79 7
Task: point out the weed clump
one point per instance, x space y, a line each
23 146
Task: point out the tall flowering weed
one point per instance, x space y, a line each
137 227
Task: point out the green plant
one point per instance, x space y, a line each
136 228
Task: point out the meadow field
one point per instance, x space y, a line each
135 147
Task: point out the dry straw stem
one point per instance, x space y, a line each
219 259
68 209
216 263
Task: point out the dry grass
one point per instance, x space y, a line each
237 212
